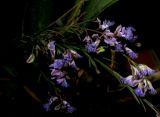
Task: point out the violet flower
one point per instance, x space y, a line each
130 53
145 69
106 24
111 41
57 64
62 82
118 47
129 80
57 73
91 47
140 91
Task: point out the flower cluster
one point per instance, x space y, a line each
57 66
58 104
96 43
111 39
139 80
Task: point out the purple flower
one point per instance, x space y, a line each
106 24
118 47
150 88
62 82
70 109
57 74
91 47
130 53
51 45
111 41
46 107
136 72
145 69
58 64
140 91
127 33
129 80
67 56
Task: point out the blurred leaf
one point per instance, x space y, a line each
112 72
91 62
75 14
32 94
95 7
151 106
112 58
100 49
12 71
133 93
80 72
142 104
31 58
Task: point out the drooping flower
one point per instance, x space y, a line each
111 41
62 82
57 64
130 53
67 56
127 33
56 73
70 109
145 69
106 24
51 47
91 47
129 80
136 72
150 88
119 47
47 105
140 91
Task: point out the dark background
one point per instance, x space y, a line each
143 15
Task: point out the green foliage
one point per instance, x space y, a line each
95 7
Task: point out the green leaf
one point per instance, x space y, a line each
95 7
151 106
100 49
112 72
134 95
142 104
91 62
75 14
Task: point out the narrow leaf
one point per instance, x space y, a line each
134 95
142 104
151 106
32 94
31 58
112 72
